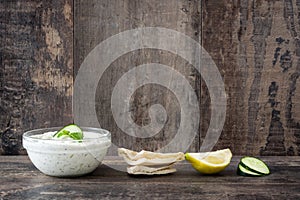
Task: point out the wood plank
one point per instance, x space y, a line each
36 73
255 45
96 21
22 180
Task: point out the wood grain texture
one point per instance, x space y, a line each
219 24
36 73
96 21
256 47
21 180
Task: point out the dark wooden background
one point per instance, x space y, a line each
255 45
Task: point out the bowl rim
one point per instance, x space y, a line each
103 133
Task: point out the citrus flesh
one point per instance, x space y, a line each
210 162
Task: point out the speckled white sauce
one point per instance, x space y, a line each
65 156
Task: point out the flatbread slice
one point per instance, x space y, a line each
144 170
148 158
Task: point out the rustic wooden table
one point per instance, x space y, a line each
19 179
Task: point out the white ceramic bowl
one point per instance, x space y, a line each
67 157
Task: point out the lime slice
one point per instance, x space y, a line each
255 164
210 162
242 171
71 131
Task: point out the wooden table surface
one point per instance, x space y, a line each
19 179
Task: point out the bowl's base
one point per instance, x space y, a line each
66 175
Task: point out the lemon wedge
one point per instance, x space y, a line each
210 162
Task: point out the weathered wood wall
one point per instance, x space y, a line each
96 20
36 73
254 44
256 47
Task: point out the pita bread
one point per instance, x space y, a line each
148 158
138 170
